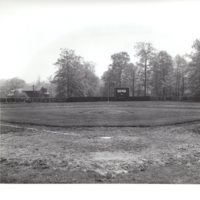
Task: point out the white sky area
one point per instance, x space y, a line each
31 34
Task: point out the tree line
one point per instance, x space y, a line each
154 73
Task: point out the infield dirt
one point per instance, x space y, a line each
36 154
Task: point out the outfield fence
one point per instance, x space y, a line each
96 99
72 99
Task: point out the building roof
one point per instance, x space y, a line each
36 94
29 93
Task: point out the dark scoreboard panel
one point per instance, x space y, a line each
121 92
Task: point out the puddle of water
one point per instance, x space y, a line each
106 138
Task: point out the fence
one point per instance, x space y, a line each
95 99
72 99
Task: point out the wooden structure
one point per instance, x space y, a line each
121 93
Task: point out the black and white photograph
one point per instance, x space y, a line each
100 92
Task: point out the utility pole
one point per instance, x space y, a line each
145 78
109 89
133 89
109 75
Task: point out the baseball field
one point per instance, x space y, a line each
100 142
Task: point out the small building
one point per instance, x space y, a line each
42 93
121 93
27 94
17 93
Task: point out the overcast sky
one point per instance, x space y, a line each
31 34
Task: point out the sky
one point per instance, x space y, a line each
33 32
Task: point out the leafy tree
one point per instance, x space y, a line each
115 76
180 76
11 84
194 69
145 52
66 76
74 76
15 83
139 82
119 63
162 77
129 78
108 83
90 81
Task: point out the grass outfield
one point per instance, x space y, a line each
101 113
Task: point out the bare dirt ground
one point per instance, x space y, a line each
39 154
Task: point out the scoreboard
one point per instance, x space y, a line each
121 92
